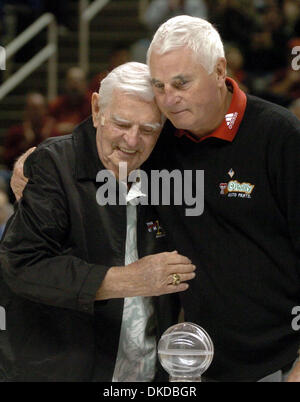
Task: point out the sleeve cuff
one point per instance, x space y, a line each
86 298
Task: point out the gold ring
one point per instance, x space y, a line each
176 279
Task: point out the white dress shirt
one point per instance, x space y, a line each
136 358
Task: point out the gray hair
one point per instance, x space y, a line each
196 33
132 78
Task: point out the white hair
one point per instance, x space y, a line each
196 33
131 78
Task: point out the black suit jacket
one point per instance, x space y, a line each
56 251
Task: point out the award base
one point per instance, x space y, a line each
184 379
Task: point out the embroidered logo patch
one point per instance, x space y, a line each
157 228
231 173
236 189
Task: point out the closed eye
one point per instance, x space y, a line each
121 125
157 84
180 84
147 130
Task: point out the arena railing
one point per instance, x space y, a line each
49 52
86 13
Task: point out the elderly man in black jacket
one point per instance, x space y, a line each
81 280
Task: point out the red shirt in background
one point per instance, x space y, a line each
23 136
68 114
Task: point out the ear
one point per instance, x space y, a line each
95 108
220 71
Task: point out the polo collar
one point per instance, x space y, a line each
227 130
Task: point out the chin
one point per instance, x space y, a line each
182 126
175 123
180 123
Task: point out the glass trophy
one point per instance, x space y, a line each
185 351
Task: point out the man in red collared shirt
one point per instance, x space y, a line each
246 243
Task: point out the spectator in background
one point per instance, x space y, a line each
235 21
74 106
261 30
35 128
286 81
266 53
235 66
119 55
273 39
159 11
291 11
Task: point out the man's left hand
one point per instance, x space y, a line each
18 180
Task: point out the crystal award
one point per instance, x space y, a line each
185 351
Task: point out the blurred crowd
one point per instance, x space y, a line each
41 120
259 38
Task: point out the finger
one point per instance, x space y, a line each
27 153
183 277
18 184
23 157
18 196
18 193
19 181
173 258
180 268
23 180
176 288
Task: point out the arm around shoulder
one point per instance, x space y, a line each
34 260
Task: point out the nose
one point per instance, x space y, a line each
171 97
132 136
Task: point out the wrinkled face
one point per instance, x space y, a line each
127 130
184 91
